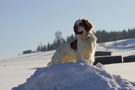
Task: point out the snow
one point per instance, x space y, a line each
123 47
100 48
75 76
125 70
15 70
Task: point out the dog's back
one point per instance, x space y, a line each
63 54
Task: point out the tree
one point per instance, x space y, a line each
45 48
48 47
40 48
59 40
70 38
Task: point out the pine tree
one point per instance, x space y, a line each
48 47
45 48
38 48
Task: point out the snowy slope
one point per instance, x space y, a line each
15 70
123 47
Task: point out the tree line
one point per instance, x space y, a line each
105 36
102 36
58 41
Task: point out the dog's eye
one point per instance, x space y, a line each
80 24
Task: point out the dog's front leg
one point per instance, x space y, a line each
79 56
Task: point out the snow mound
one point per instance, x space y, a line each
75 76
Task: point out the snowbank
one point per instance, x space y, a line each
75 76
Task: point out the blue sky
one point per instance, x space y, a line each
26 23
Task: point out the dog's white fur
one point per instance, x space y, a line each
86 45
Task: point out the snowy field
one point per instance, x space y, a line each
16 70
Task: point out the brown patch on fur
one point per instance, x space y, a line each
75 28
86 24
73 45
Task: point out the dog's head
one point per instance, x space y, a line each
82 27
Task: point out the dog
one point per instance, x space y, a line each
82 48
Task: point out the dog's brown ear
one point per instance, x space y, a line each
88 25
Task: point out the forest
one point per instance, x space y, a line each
102 36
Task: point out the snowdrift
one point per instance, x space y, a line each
75 76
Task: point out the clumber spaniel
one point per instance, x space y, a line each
81 48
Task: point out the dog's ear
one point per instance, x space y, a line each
88 26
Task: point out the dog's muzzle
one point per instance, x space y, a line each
76 30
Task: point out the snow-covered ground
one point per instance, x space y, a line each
75 76
123 47
15 70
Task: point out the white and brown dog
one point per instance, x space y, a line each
82 48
